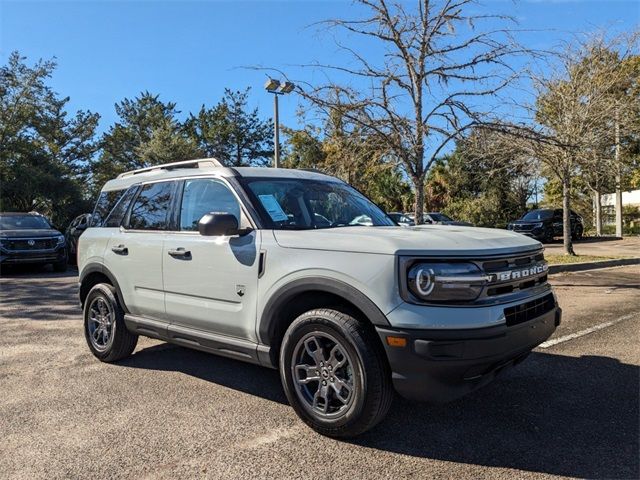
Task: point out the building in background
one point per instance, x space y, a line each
630 212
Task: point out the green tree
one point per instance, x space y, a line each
348 151
303 148
44 151
232 133
485 181
147 133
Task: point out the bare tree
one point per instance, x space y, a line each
575 106
437 64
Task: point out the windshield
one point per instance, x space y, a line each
301 204
23 222
440 217
535 215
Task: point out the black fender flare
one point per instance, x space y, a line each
99 268
269 319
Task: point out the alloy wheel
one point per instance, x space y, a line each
100 324
323 375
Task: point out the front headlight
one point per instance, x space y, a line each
446 282
510 226
60 239
538 225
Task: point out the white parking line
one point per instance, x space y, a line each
581 333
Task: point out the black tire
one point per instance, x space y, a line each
372 392
577 234
60 266
548 237
121 341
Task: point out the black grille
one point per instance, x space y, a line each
27 244
491 266
526 227
528 311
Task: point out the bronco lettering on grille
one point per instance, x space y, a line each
518 274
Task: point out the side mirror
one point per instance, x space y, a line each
83 223
218 224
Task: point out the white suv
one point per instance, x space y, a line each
297 271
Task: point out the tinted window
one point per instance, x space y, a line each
202 196
104 205
119 211
150 209
534 215
305 204
440 217
23 222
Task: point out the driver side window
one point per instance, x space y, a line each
205 195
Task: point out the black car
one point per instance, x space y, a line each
546 223
437 218
72 234
401 218
28 238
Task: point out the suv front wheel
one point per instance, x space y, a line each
104 327
334 373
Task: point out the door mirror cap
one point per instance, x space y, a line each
219 224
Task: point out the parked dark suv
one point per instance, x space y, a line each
546 223
29 238
72 235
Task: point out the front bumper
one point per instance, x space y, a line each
442 365
536 233
8 257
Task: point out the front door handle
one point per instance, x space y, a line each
120 250
180 253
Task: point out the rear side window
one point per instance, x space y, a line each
151 207
119 211
104 205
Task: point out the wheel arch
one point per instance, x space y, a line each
301 295
95 273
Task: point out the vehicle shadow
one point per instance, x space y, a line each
53 296
36 271
572 416
244 377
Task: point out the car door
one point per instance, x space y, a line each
557 222
574 220
210 282
134 252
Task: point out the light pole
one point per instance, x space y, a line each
277 88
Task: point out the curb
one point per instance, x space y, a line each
577 267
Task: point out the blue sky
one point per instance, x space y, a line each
188 52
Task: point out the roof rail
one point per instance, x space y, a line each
198 163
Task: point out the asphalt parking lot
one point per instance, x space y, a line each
570 410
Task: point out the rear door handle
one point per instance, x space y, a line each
120 250
180 253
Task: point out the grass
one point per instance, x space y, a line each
564 259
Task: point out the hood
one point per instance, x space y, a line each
436 240
457 223
21 233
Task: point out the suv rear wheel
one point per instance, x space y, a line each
104 327
577 234
334 373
